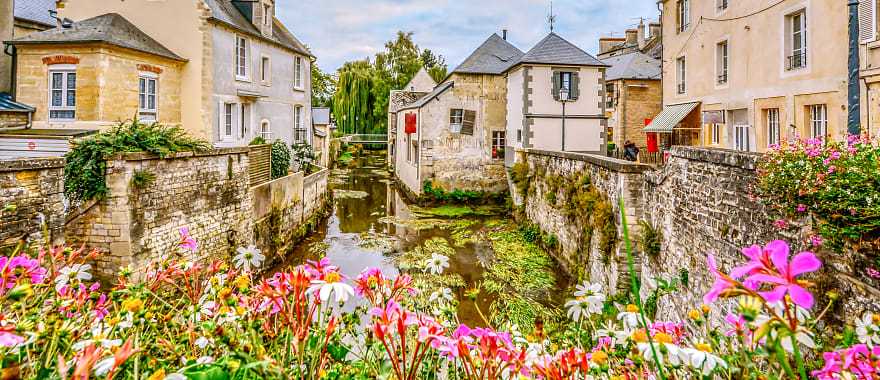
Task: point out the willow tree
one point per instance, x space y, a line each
353 100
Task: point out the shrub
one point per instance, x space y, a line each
835 183
651 239
86 168
280 159
259 140
520 175
142 179
304 156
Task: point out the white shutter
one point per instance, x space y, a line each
867 20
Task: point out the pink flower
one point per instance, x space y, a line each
739 324
722 282
802 208
101 307
832 169
186 241
8 339
873 273
759 258
781 224
816 241
27 267
785 277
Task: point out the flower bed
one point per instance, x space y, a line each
221 321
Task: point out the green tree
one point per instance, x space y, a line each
323 86
354 100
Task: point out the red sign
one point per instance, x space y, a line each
410 123
32 145
652 142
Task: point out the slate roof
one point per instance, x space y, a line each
492 57
401 99
555 50
439 90
7 104
225 12
320 116
35 11
109 28
633 65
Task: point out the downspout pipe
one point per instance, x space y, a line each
9 49
853 90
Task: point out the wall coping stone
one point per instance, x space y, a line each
31 164
613 164
145 156
314 177
726 157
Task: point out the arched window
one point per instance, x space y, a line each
265 130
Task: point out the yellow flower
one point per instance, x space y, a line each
133 305
662 337
240 310
223 293
705 347
705 308
639 336
242 282
695 315
876 319
332 277
158 375
599 357
632 308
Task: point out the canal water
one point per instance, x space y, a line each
373 225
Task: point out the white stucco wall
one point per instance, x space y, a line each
581 135
514 107
407 171
542 92
277 97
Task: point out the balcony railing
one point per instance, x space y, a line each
797 61
722 78
682 88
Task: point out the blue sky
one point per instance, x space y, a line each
342 30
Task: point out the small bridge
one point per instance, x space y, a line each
365 139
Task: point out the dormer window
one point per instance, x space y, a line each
267 15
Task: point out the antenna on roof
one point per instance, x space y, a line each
552 18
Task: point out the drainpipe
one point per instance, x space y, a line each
854 95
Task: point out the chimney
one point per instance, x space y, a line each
608 43
6 22
655 28
504 34
641 34
632 37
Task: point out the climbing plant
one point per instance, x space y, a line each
280 159
86 168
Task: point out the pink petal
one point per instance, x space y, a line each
779 256
775 295
713 265
801 296
778 246
804 262
753 252
744 270
761 277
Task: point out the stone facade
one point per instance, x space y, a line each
33 190
13 119
107 83
700 203
635 100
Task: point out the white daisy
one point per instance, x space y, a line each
666 353
629 319
867 331
577 310
705 361
104 366
437 264
202 342
332 284
248 258
443 295
73 272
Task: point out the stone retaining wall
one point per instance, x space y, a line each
31 193
700 202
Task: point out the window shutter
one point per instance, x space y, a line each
575 86
220 118
557 84
467 126
867 20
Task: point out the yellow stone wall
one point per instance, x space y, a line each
107 84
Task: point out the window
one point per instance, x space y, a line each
568 81
797 41
62 94
720 5
742 138
565 79
299 129
683 15
266 131
228 117
609 93
267 15
818 121
298 73
241 57
456 119
147 90
681 71
519 135
716 134
265 70
408 138
415 151
245 119
867 20
499 140
722 62
773 131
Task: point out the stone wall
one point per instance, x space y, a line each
31 193
13 119
700 202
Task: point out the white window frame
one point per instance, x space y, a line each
456 118
722 63
742 137
683 15
265 70
267 14
499 140
245 120
774 131
721 6
791 50
300 132
819 121
681 75
716 134
227 128
266 130
868 35
242 46
144 97
66 71
298 73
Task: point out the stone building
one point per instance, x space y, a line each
644 39
422 84
455 135
556 100
747 75
19 18
633 95
322 128
226 70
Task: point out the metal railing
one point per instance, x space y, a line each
797 61
682 88
644 157
366 139
722 78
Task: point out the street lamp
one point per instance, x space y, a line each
563 98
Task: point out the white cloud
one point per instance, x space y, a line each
342 30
